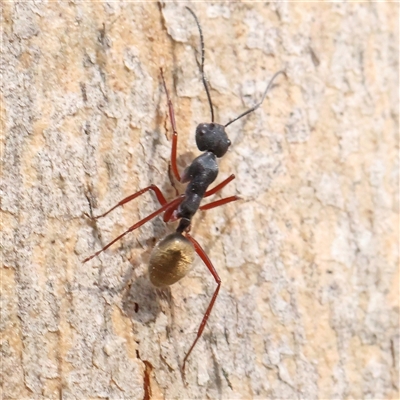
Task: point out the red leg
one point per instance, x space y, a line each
218 203
169 212
154 188
220 186
175 132
214 273
165 207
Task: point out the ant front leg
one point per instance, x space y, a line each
174 165
202 254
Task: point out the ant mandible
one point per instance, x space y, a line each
172 256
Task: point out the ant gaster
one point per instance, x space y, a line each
172 257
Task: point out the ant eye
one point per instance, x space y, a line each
228 142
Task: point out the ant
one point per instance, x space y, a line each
172 257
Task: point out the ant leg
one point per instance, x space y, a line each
218 203
170 211
202 254
168 215
165 207
154 188
175 132
220 186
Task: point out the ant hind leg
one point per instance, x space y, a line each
202 254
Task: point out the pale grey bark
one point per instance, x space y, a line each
308 258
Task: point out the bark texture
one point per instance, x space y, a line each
308 258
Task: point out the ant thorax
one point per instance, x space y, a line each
200 174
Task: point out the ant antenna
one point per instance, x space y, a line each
263 98
202 63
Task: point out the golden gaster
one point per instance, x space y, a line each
170 260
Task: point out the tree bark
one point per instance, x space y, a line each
308 257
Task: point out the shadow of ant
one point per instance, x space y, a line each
140 301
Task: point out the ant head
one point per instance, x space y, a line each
212 137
